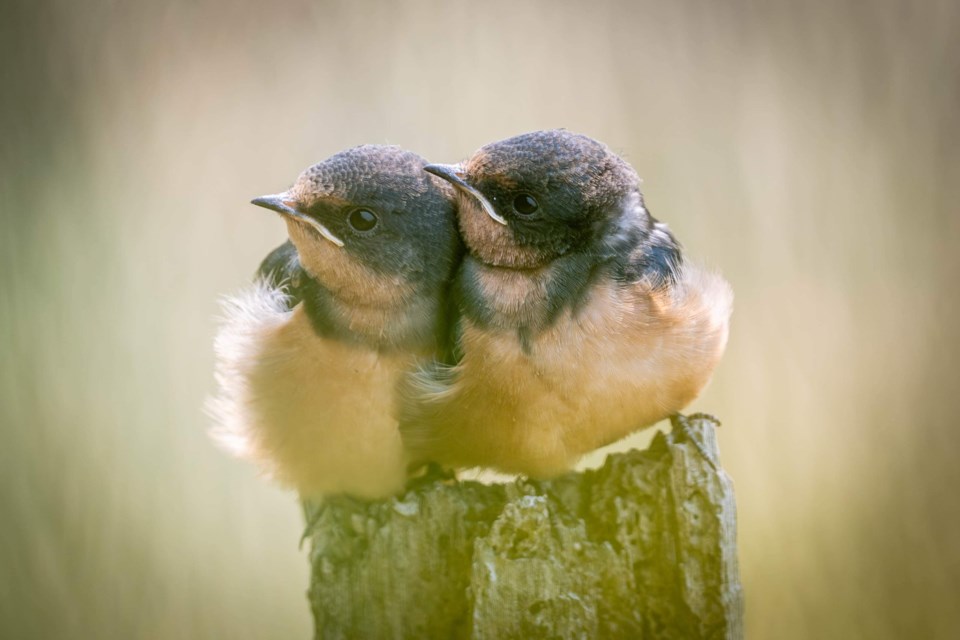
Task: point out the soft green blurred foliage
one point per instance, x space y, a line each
809 150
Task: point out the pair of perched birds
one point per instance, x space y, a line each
372 343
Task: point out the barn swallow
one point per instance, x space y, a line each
580 319
309 357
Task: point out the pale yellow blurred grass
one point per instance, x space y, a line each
808 152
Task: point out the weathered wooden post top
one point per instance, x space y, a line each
643 547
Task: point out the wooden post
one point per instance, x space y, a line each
644 547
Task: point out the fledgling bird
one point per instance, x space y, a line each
581 320
309 357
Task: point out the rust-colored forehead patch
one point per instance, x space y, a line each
483 166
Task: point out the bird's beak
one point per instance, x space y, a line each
453 173
285 206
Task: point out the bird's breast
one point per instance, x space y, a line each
316 413
624 359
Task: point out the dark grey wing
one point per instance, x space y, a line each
658 257
281 270
448 331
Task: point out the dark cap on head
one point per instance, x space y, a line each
553 156
370 170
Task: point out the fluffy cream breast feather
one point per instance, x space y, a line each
313 413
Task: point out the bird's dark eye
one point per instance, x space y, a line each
525 204
362 219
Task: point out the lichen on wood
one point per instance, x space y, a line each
643 547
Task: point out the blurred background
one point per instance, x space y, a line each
808 150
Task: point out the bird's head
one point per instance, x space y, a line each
370 225
528 200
